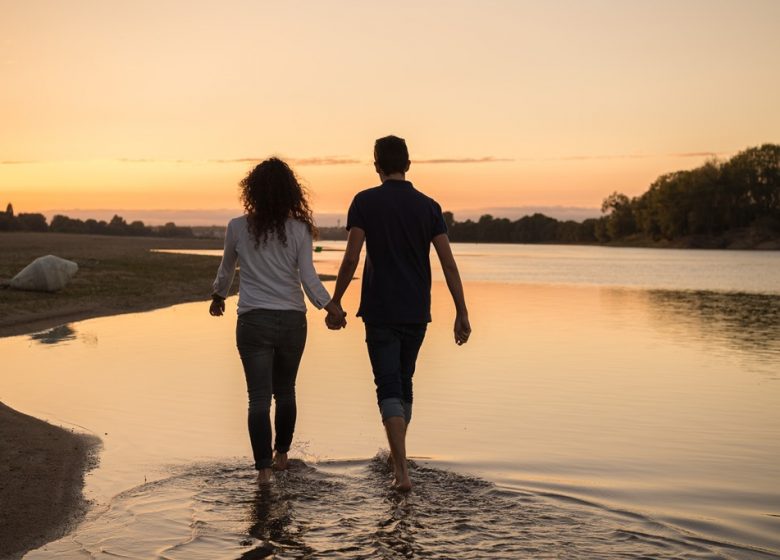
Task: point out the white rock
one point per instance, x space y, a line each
45 274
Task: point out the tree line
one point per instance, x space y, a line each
713 199
63 224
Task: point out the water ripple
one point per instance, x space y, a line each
347 510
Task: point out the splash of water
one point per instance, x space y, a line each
348 510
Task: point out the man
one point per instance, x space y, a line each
398 224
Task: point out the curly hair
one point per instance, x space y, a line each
271 193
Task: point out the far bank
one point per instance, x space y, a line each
116 275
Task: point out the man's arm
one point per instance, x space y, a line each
462 327
349 263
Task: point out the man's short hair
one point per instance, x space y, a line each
391 154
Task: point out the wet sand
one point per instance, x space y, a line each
42 471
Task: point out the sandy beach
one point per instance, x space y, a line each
42 466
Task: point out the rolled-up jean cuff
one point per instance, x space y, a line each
395 407
390 407
264 464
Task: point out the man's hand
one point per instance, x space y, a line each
462 329
217 307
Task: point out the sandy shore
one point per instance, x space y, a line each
42 466
41 478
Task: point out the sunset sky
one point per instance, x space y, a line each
151 105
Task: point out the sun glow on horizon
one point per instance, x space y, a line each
131 105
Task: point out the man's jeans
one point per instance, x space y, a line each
271 344
393 351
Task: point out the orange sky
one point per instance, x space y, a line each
157 105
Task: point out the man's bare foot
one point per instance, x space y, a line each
264 476
401 481
280 461
402 484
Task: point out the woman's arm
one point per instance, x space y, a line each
312 285
225 273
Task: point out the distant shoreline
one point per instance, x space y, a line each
737 240
116 275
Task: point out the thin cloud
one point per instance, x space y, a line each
152 160
609 156
328 160
235 160
700 154
325 160
486 159
636 156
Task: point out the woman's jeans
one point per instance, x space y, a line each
393 351
271 344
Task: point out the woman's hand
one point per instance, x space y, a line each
217 307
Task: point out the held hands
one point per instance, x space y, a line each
336 318
462 329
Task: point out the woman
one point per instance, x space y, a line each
272 243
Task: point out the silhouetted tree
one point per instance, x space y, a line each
32 222
620 216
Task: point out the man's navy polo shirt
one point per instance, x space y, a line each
399 222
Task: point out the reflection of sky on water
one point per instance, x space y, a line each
667 269
746 323
654 402
62 333
343 510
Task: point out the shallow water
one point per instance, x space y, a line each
345 510
621 267
579 422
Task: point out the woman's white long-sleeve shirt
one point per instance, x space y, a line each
272 273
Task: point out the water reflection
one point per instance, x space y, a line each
346 510
748 323
62 333
651 403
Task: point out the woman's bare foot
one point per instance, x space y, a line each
264 476
280 461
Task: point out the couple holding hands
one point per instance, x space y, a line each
272 243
